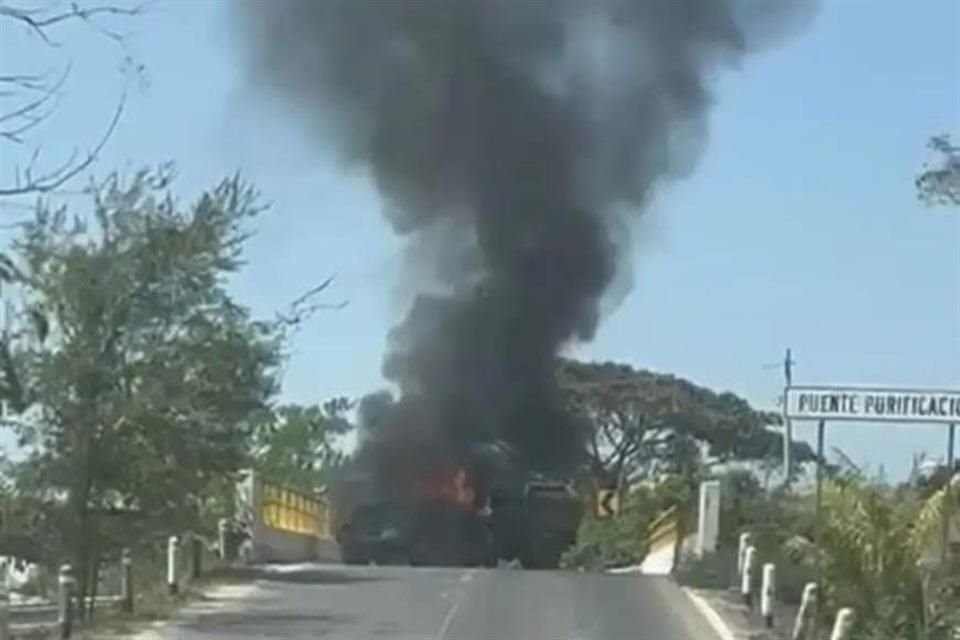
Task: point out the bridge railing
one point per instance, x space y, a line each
293 511
285 524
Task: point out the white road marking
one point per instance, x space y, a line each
447 619
712 617
630 569
452 611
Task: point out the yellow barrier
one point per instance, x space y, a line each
289 510
663 531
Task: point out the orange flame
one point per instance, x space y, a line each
451 485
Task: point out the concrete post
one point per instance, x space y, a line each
258 528
65 582
223 530
708 519
803 623
4 608
746 578
843 625
746 539
172 548
768 596
126 583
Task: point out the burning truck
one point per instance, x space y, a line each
512 144
473 511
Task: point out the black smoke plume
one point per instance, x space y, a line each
510 138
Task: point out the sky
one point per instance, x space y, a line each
799 227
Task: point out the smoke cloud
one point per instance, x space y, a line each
511 140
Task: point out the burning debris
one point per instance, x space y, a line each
451 485
512 136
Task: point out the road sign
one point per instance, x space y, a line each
608 503
873 404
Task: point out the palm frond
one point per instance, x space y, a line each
928 522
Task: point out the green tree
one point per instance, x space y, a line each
939 183
622 540
146 381
615 542
298 447
645 423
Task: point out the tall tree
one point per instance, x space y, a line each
644 423
30 94
298 447
147 380
939 182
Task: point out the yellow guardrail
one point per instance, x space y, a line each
289 510
664 529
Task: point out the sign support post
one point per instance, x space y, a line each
947 510
787 425
818 526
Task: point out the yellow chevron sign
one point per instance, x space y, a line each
608 503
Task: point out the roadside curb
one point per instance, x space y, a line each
150 631
714 619
214 598
622 570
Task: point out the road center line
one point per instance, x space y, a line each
448 618
452 611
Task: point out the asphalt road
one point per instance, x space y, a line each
337 602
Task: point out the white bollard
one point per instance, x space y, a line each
843 625
803 623
746 578
4 609
172 549
126 584
223 530
65 605
768 596
746 539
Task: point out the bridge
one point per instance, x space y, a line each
292 586
284 524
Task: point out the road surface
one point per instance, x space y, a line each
338 603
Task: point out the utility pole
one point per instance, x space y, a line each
788 363
787 367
